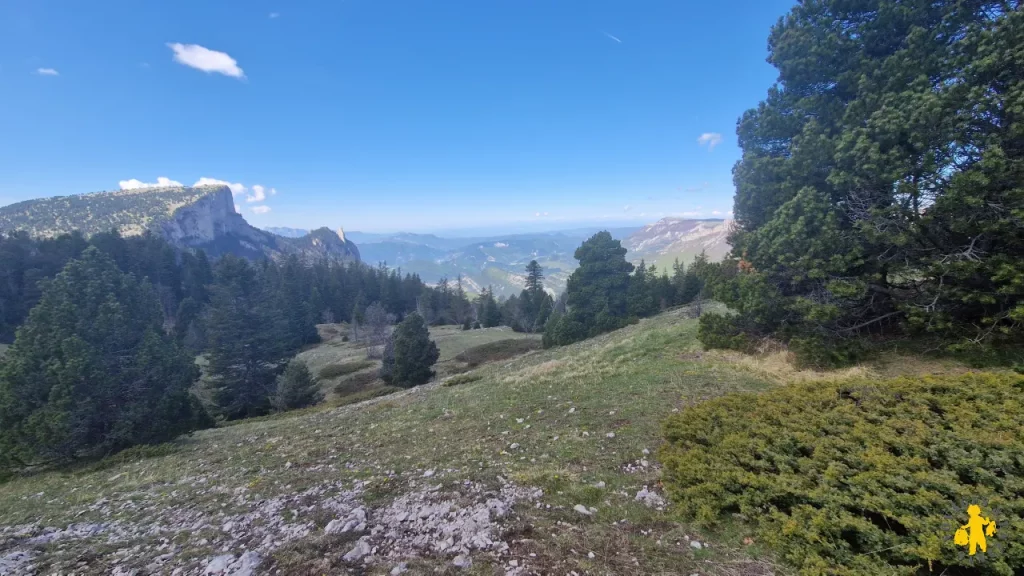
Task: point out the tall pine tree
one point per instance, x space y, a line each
91 371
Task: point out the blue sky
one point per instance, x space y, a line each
384 115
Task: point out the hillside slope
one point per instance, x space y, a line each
188 217
544 464
668 239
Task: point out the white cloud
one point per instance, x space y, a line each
260 209
236 187
209 61
161 182
627 208
273 191
259 194
710 139
612 37
716 212
238 209
47 72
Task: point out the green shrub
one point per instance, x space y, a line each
461 379
356 383
863 478
500 350
720 331
336 370
367 395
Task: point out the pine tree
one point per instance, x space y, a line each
91 370
296 388
596 293
415 353
879 188
248 338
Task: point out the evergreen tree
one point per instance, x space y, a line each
597 292
92 371
248 339
414 353
296 388
640 300
880 185
488 311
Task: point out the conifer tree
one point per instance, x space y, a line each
414 352
296 388
91 370
248 340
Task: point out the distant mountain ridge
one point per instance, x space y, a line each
664 241
188 217
499 261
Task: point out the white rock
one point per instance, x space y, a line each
610 434
649 499
514 445
582 510
358 552
462 561
646 452
399 569
600 484
572 410
246 565
428 473
591 555
219 564
695 545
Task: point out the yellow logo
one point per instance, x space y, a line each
973 533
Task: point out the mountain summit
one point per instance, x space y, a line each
188 217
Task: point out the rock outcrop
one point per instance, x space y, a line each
188 217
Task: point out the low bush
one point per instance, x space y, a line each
461 379
500 350
863 478
368 395
356 383
336 370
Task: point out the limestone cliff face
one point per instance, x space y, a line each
188 217
205 220
212 224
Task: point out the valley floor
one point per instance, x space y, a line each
546 464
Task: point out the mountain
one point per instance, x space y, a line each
499 261
287 232
670 238
188 217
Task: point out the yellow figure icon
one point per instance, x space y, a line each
973 533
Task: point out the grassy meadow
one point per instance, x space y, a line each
582 423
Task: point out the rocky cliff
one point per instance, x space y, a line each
189 217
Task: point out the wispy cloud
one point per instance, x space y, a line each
273 15
259 194
627 208
612 37
47 72
260 209
236 187
238 209
161 182
716 212
209 61
710 139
